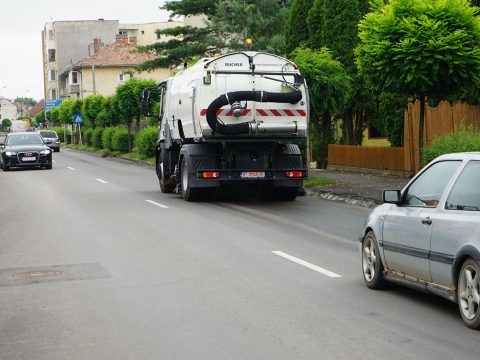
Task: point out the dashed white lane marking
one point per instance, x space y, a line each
157 204
307 264
68 167
102 181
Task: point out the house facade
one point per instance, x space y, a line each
107 67
8 110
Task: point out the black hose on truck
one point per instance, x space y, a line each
257 96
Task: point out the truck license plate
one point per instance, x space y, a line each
28 158
252 174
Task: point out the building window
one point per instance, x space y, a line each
123 32
124 77
51 55
143 32
51 35
158 36
74 78
53 94
52 75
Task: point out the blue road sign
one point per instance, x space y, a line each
50 104
78 119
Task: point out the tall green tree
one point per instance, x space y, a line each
330 88
185 42
314 22
109 115
261 20
420 49
129 100
296 27
92 106
6 123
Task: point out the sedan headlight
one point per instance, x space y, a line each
45 152
10 153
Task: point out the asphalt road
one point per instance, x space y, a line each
96 263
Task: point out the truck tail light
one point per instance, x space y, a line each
210 174
294 174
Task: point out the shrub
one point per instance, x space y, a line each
120 140
107 138
147 141
87 136
465 139
97 137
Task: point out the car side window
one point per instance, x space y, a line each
465 194
428 188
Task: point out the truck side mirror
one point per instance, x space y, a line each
145 107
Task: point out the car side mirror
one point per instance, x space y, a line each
392 197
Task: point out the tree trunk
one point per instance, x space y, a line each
129 125
137 124
348 126
421 125
324 140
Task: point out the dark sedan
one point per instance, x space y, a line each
24 150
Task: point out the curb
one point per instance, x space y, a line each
356 200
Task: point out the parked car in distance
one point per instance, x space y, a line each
427 236
24 150
51 139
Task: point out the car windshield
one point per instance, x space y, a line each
48 134
24 139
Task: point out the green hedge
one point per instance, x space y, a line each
465 139
107 138
147 141
120 140
87 136
97 137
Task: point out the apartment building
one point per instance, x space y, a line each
146 34
66 43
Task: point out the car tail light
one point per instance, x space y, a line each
294 174
210 174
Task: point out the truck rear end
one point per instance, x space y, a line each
233 119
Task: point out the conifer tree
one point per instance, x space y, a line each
315 20
296 28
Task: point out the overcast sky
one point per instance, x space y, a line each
21 25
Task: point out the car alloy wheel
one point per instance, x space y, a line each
468 292
371 262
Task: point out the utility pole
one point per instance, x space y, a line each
93 69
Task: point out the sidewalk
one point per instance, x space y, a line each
355 188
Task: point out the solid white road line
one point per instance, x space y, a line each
68 167
307 264
102 181
157 204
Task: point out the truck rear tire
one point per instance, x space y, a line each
166 186
188 193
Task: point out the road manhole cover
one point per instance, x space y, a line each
52 273
29 275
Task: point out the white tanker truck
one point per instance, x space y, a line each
231 119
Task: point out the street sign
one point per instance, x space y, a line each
78 119
50 104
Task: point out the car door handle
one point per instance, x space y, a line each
427 221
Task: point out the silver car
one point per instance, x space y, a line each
427 236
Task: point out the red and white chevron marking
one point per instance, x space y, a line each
261 112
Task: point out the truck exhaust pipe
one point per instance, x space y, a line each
257 96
